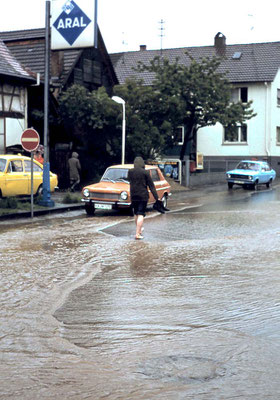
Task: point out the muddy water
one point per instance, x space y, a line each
191 312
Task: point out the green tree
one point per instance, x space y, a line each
146 131
195 96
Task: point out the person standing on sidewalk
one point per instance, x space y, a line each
140 180
74 170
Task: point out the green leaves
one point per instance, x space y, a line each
196 95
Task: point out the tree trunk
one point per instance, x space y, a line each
188 136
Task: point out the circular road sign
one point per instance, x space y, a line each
30 139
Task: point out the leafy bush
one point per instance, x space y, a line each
70 199
9 202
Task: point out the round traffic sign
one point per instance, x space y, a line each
30 139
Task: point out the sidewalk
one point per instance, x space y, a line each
59 206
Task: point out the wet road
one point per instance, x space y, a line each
190 312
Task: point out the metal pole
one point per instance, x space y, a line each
123 135
32 196
46 83
95 25
46 201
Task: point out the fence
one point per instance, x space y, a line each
213 172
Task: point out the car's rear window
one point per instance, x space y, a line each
115 174
2 164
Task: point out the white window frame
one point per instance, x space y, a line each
181 141
238 97
239 133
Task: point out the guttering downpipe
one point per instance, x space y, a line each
266 118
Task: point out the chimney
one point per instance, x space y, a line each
143 47
220 44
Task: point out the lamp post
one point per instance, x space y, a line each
119 100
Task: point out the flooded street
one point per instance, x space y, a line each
190 312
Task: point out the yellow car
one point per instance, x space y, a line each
15 176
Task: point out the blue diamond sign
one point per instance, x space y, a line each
72 24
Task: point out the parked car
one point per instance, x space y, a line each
113 190
15 176
250 174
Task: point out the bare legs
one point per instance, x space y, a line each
139 219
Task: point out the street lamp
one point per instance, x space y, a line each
121 101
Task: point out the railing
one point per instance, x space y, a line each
213 172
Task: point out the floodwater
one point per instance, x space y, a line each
190 312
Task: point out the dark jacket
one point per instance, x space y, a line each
74 166
140 180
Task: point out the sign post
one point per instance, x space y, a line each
30 140
46 201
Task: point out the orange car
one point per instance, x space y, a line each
113 190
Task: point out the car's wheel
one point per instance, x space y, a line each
39 191
164 201
255 185
230 185
90 209
268 183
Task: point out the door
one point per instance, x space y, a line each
37 175
16 179
158 185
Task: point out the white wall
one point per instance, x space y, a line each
14 129
275 117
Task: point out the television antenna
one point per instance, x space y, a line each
162 34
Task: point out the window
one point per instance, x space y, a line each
16 166
278 135
27 167
239 94
244 94
278 97
235 134
155 175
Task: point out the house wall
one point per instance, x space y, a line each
261 136
275 118
210 140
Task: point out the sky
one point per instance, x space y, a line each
127 24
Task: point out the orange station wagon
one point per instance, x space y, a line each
113 190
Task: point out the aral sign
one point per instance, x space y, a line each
72 24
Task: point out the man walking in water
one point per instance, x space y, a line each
140 180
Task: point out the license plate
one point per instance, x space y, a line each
239 182
103 206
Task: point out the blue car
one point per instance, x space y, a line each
251 174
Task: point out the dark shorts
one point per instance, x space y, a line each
139 207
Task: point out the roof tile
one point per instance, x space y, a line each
9 65
259 62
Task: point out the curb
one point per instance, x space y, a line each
36 213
